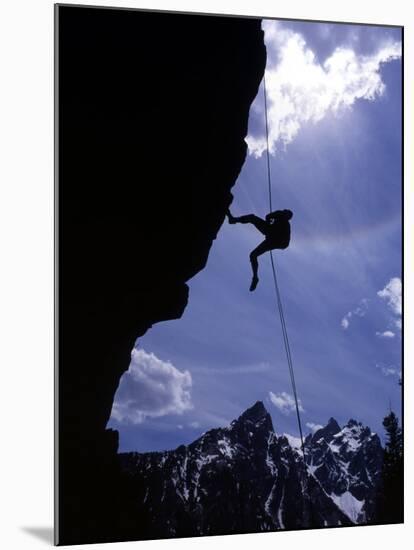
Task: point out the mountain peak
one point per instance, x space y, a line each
328 431
255 412
256 415
333 423
352 422
269 467
358 429
258 406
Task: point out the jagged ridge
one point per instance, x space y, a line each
246 478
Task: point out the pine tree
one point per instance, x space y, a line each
390 504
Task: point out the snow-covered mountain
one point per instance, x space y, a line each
245 478
347 465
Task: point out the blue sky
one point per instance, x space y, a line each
334 95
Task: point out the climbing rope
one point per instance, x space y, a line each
277 291
280 307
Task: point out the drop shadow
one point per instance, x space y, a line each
44 534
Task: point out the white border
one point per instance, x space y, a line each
26 272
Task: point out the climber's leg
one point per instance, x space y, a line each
258 251
259 224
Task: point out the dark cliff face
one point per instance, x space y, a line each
153 112
245 478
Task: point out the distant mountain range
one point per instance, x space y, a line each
246 478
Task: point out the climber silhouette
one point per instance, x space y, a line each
275 228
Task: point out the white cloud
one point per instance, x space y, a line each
301 90
390 370
359 311
345 322
362 309
151 388
284 402
385 334
314 427
392 294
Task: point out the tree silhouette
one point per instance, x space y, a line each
390 503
